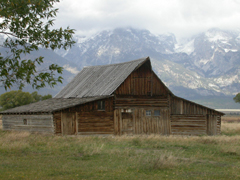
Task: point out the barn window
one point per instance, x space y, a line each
156 112
148 112
25 121
101 105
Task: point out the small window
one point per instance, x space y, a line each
101 105
156 112
148 112
25 121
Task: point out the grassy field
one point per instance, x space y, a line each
35 156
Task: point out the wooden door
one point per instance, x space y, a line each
68 123
127 123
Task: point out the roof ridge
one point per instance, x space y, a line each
141 59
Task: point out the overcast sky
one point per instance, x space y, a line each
181 17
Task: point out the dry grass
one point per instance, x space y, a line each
231 119
25 155
230 125
36 156
230 128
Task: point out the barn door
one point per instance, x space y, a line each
127 122
68 123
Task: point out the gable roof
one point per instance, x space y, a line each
99 80
51 105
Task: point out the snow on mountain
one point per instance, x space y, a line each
207 63
216 35
187 48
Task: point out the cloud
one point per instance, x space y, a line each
70 69
182 17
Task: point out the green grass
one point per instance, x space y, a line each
36 156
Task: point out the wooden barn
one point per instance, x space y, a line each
126 98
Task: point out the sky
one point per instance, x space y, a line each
184 18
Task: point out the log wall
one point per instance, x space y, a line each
190 118
213 124
218 125
32 123
122 101
188 124
93 121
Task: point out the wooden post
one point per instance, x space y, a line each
61 123
76 123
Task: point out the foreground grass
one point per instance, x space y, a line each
36 156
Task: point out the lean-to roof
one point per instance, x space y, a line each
51 105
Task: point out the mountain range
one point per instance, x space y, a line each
203 66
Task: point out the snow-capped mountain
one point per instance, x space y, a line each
119 45
206 64
213 53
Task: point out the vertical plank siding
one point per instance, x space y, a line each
143 124
181 106
142 82
32 123
69 123
86 119
140 92
57 123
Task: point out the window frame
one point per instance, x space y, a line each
101 105
158 114
25 122
148 113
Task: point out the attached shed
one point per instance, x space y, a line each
125 98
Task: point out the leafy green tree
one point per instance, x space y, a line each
48 96
27 25
37 97
18 98
237 98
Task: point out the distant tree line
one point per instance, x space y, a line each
18 98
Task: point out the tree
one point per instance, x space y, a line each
18 98
37 97
27 26
237 98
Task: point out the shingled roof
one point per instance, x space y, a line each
99 80
51 105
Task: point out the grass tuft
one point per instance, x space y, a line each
164 160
